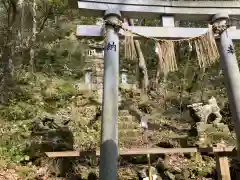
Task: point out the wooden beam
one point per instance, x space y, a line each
208 4
222 166
94 31
63 154
142 151
182 10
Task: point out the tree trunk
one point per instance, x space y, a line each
143 74
6 79
6 59
33 41
22 8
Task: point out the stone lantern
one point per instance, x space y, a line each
97 50
95 55
124 76
95 60
88 77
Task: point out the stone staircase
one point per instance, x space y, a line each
129 131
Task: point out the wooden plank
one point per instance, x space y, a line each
94 31
63 154
183 10
222 166
69 153
142 151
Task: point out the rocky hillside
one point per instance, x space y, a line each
53 114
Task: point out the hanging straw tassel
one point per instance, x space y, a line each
167 57
160 57
130 51
212 44
206 49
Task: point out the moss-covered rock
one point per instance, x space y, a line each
200 167
212 134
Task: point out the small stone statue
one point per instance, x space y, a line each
144 122
144 173
202 112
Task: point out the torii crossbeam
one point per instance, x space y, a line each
94 31
169 11
181 10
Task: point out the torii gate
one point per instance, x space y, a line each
113 10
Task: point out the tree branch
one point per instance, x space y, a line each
45 19
141 61
13 6
4 4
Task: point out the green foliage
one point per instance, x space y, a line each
57 89
66 91
23 77
19 111
14 139
65 58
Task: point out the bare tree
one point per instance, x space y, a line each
34 33
9 8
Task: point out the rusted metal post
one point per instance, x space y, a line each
230 69
109 139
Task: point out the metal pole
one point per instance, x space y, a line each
231 73
109 140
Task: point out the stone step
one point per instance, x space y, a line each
123 113
100 79
128 133
126 118
130 130
131 142
211 134
122 125
99 74
97 80
210 128
131 138
95 60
